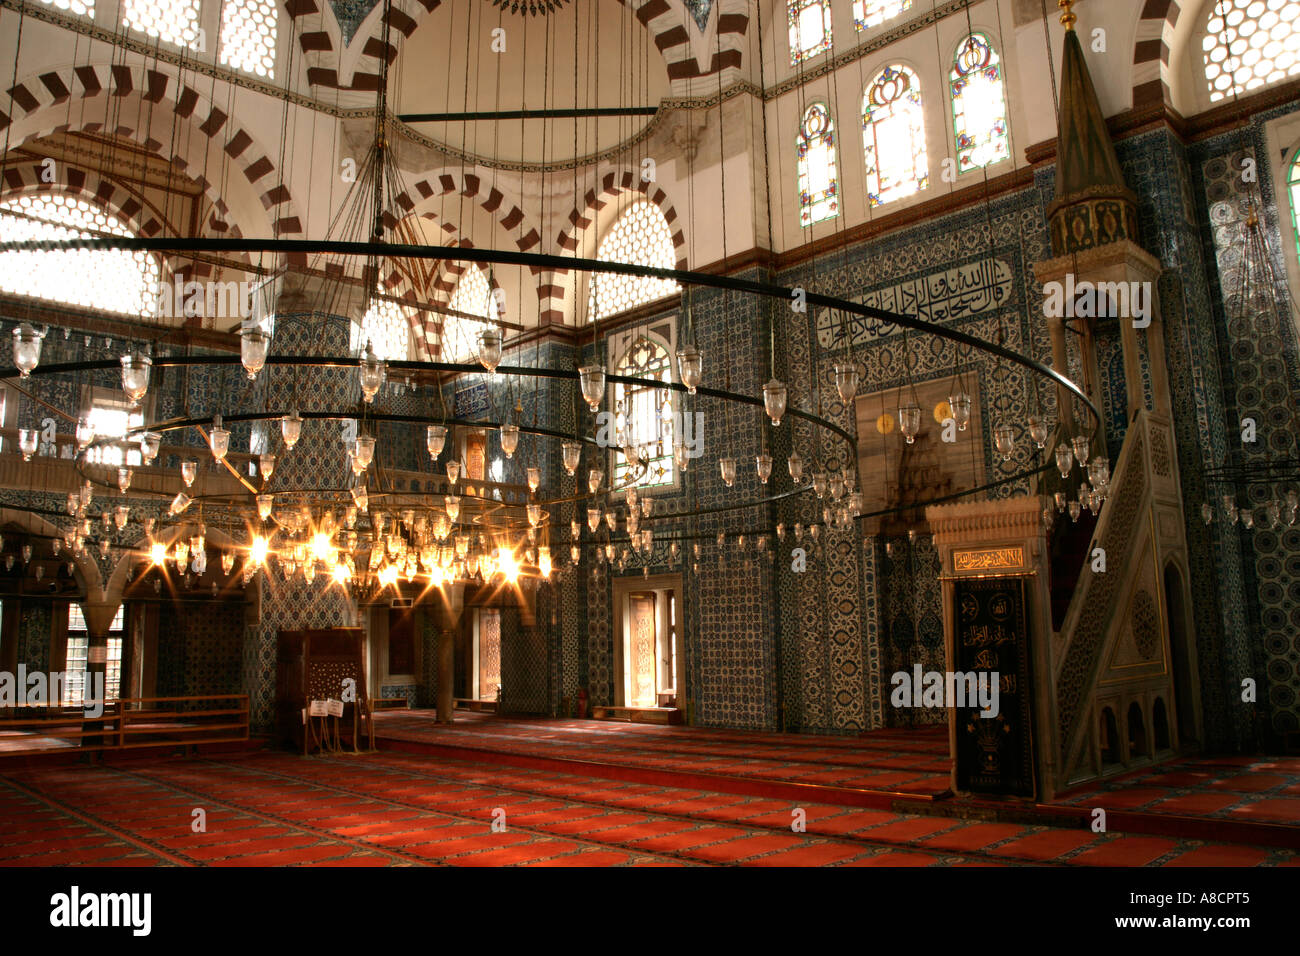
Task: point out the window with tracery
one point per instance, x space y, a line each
810 29
979 104
893 136
172 21
643 414
640 237
248 31
1250 44
473 296
109 280
387 327
82 8
819 196
872 13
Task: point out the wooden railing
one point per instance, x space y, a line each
129 723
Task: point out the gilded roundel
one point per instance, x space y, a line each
1146 624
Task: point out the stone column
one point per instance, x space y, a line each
99 618
446 653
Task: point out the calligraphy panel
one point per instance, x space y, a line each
952 294
995 754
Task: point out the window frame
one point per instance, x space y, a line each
915 90
662 333
1001 65
801 54
803 148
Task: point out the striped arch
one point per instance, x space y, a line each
24 178
40 105
416 201
612 185
1152 42
720 46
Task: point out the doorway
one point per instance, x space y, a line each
648 659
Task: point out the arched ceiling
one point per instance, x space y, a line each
450 65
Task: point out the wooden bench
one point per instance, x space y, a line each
638 715
468 703
390 703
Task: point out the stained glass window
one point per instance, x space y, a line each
472 295
1293 189
810 29
248 30
387 327
82 8
1249 44
872 13
979 104
107 280
643 414
640 236
172 21
819 196
893 136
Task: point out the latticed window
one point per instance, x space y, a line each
114 420
643 414
640 237
82 8
872 13
78 654
387 328
893 136
979 104
109 280
473 296
248 29
172 21
1249 44
819 195
810 29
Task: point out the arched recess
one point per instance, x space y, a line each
87 569
579 236
1181 653
689 50
424 203
169 118
117 581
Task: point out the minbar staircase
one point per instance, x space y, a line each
1113 657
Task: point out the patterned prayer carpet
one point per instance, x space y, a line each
279 809
889 762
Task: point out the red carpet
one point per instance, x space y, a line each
274 809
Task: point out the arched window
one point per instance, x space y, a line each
643 415
810 29
893 136
82 8
107 280
819 195
1249 44
872 13
1293 190
979 104
641 237
386 326
473 296
172 21
248 30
